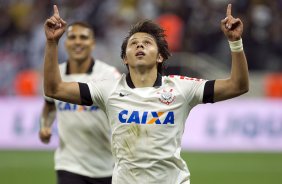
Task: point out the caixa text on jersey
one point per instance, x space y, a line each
146 117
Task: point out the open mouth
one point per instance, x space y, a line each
139 54
78 49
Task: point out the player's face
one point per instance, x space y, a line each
79 43
142 52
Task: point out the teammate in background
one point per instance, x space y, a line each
84 154
147 111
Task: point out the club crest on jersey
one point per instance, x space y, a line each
166 96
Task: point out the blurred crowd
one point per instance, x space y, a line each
191 25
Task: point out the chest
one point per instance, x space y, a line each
148 106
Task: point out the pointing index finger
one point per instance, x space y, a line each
228 11
56 10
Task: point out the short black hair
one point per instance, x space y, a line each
149 27
83 24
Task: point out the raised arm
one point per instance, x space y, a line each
238 82
54 87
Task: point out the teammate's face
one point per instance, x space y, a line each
79 43
142 52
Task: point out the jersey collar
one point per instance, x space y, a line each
157 83
89 70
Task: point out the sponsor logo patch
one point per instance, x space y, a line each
146 117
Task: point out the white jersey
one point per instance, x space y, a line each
84 132
147 126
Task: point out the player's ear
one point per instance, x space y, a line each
124 60
93 44
93 40
160 58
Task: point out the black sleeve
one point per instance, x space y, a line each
85 94
209 92
49 102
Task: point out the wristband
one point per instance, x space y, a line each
236 46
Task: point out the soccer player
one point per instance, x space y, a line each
84 153
147 111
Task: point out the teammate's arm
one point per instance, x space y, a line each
54 87
238 82
46 121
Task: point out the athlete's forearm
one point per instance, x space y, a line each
238 81
46 122
48 115
52 77
239 72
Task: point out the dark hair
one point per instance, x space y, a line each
82 24
149 27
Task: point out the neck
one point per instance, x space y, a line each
144 79
79 66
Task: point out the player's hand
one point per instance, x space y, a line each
55 26
45 135
231 27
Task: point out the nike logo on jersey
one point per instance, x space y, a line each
146 117
123 94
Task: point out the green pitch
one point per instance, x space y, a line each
34 167
234 168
